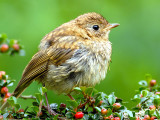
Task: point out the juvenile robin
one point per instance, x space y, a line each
77 53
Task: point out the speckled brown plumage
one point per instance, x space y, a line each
74 54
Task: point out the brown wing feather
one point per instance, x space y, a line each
38 65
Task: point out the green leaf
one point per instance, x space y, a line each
38 97
53 106
89 91
73 103
3 37
157 101
12 100
98 109
69 115
109 112
17 106
112 98
158 114
35 104
56 117
144 93
83 88
143 83
44 90
35 108
78 89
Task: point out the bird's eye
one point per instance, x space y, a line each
95 27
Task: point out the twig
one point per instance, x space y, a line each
27 97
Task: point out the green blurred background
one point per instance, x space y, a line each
136 42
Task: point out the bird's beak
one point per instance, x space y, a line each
113 25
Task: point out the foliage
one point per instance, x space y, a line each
93 104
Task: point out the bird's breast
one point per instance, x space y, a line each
87 67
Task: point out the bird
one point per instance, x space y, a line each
75 54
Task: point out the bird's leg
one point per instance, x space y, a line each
51 112
69 95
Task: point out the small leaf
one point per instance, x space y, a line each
83 88
12 100
109 112
144 93
44 90
112 98
98 109
56 117
53 106
17 106
73 103
78 89
35 108
158 114
35 104
157 101
5 115
89 91
143 83
69 115
38 97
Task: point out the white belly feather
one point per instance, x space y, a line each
87 67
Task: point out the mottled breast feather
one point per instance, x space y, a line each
87 67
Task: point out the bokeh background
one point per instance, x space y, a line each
136 42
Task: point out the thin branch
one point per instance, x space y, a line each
27 97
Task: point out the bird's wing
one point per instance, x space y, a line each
56 54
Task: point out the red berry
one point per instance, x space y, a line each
104 111
153 117
100 103
7 95
16 47
137 118
79 115
157 93
4 90
116 118
62 105
116 105
152 107
4 48
141 95
4 81
147 117
152 83
1 117
109 117
4 99
20 110
3 72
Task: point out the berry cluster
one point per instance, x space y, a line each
4 83
10 46
148 99
3 86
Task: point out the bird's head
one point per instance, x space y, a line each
94 25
